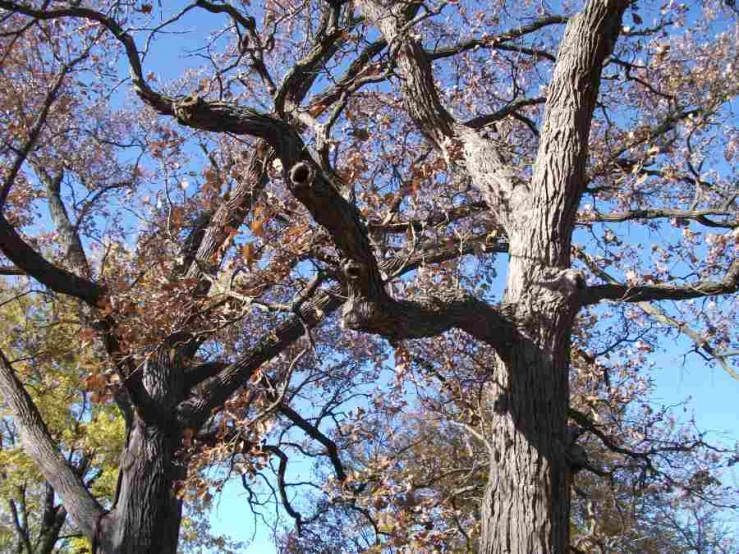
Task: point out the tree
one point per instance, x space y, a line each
378 142
644 479
53 368
60 374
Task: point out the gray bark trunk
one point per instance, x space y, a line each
147 515
526 504
527 500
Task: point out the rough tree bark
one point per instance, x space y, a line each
146 514
526 504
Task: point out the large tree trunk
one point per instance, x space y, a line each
146 518
147 513
526 504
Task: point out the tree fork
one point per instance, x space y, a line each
526 507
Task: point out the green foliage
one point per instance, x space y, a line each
42 338
47 344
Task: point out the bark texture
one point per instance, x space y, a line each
146 517
526 504
146 514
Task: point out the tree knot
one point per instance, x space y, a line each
366 309
186 108
353 270
302 175
356 277
565 281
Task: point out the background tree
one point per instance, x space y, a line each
53 368
646 479
363 143
61 375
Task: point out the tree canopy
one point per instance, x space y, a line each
425 252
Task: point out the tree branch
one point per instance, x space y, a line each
321 102
509 109
68 235
34 134
433 219
412 319
40 447
643 293
21 530
310 185
313 432
35 265
609 442
413 65
646 135
9 270
195 410
159 102
282 468
700 341
256 49
497 41
199 373
231 212
589 39
304 73
705 288
656 213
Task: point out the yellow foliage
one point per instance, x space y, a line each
42 339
